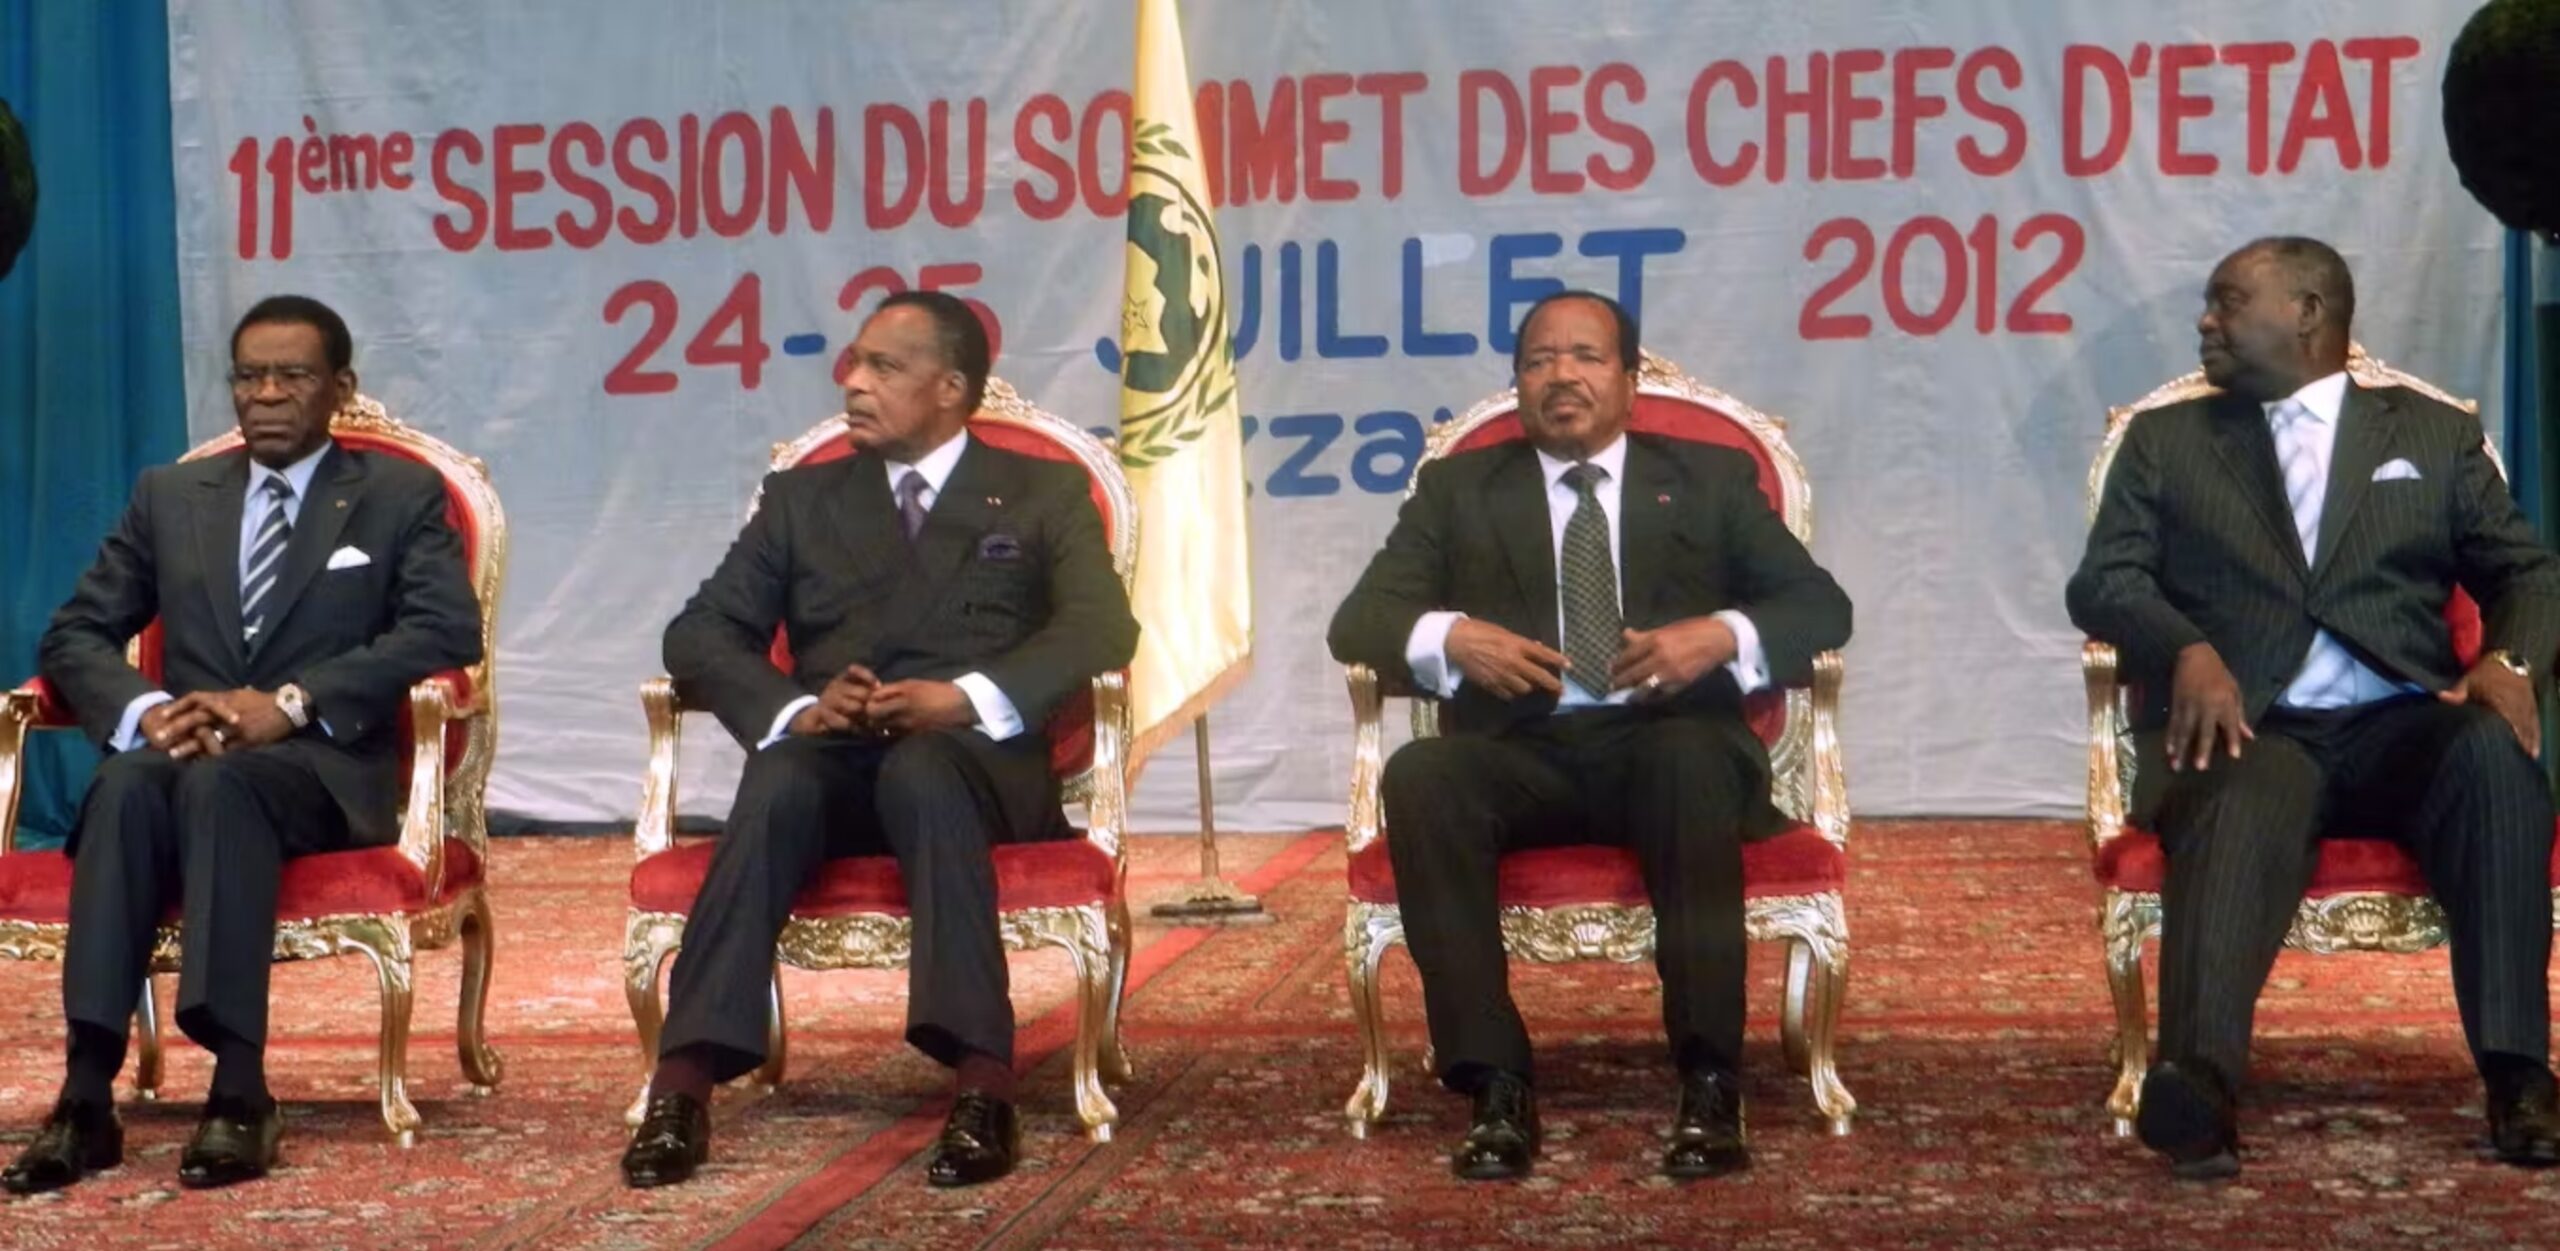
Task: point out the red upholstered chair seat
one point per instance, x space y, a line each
1062 874
1798 862
370 880
2133 861
35 886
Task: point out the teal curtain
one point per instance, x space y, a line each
2533 376
91 389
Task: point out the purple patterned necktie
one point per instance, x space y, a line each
911 510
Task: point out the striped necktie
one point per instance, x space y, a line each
1591 615
266 559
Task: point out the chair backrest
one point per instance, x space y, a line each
1671 404
472 508
1007 420
2461 614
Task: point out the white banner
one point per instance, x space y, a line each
614 249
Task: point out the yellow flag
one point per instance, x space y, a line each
1181 436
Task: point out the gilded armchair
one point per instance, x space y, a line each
426 892
1068 894
1587 902
2365 894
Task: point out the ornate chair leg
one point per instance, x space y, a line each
1367 931
1791 1014
387 942
2123 927
1088 943
777 1042
1116 1068
1830 986
646 944
481 1064
146 1067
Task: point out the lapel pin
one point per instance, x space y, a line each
342 503
995 501
1662 499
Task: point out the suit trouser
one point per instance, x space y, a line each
2450 783
214 833
1673 789
938 802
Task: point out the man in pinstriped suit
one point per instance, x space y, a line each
2273 563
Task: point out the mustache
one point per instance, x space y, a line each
1563 390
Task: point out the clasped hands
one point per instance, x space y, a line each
208 723
856 702
1657 663
2206 715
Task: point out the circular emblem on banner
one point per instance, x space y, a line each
1176 365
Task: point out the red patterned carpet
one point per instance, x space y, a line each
1975 1045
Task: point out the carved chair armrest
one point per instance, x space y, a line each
2106 724
655 831
434 702
1830 767
1368 755
48 711
19 709
1106 809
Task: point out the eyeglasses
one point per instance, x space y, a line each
292 377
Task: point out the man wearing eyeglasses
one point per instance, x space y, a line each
301 589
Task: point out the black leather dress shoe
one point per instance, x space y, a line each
1503 1139
2187 1115
673 1140
231 1145
2524 1122
1706 1134
77 1139
978 1144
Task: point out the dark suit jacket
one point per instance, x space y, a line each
2195 542
1697 537
1010 578
354 638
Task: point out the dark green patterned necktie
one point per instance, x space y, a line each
1591 617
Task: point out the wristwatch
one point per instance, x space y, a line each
2507 660
294 703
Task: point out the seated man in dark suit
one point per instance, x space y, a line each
1582 703
290 637
2273 563
942 598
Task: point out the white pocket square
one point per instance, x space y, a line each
2395 470
354 558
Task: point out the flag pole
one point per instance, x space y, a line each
1212 898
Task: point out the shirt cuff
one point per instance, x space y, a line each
1426 652
997 718
128 731
1750 665
782 722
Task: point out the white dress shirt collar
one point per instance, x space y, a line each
1612 458
935 465
297 475
2321 397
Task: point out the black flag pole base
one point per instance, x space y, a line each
1213 901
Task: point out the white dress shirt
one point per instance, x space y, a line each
2330 676
1427 648
997 717
253 517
